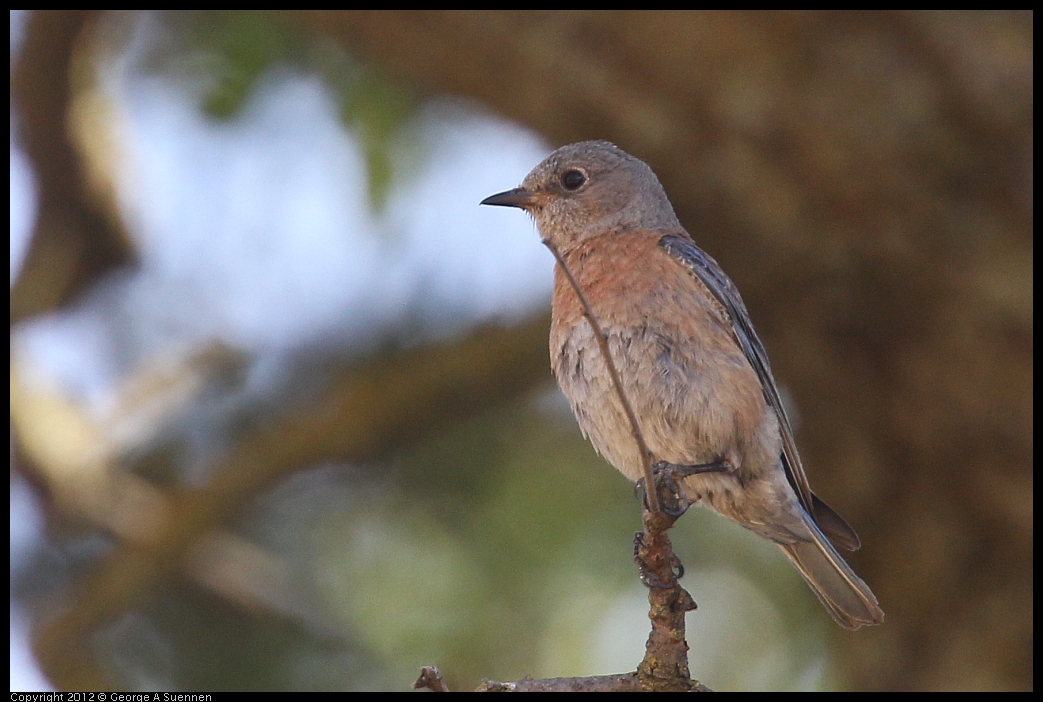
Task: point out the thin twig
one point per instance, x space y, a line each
622 682
635 429
430 679
665 664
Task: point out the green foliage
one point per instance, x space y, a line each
235 49
376 108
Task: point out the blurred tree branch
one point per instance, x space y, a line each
76 238
366 414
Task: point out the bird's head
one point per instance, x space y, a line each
587 189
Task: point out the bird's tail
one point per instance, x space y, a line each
843 593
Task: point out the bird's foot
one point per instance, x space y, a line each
669 478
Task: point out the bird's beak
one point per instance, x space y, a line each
519 197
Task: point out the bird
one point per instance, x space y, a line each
687 357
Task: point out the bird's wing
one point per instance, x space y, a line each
702 264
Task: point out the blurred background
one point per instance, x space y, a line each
281 408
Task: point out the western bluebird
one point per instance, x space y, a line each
691 365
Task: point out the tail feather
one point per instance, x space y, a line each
843 593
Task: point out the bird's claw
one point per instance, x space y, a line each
672 500
669 478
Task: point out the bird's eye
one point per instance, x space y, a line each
573 179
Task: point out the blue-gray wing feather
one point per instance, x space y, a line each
723 289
